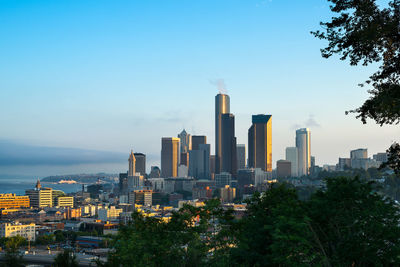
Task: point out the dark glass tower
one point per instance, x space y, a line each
228 144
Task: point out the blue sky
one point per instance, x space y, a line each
119 75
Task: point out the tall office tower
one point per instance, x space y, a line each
169 156
132 164
361 153
303 144
222 106
292 155
359 158
228 144
260 142
199 162
123 183
186 141
198 140
140 163
241 156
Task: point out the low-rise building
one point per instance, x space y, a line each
12 201
65 202
27 231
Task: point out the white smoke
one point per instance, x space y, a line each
220 84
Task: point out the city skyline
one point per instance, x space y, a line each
61 93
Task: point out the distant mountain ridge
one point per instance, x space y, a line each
81 178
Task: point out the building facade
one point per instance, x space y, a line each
222 106
170 153
292 155
260 142
228 144
12 201
241 156
303 144
27 231
140 165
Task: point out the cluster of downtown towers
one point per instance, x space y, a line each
191 154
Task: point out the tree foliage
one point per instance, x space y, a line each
13 257
65 259
365 33
345 224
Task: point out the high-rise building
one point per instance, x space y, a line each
303 144
140 163
199 162
260 142
186 141
283 168
228 144
344 163
212 166
222 106
185 159
361 153
380 157
123 183
155 172
132 164
197 140
292 155
169 156
359 159
241 156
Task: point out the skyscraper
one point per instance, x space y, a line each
241 156
198 140
170 153
186 141
228 144
292 155
303 144
140 163
222 106
260 142
199 166
132 164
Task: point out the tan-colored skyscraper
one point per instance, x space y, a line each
170 153
132 164
222 106
260 142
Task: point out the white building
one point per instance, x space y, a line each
292 155
27 231
303 144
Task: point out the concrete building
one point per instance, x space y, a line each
40 197
283 168
27 231
186 141
303 144
359 159
132 164
12 201
108 213
228 194
260 176
140 165
183 171
241 156
381 157
228 144
135 182
65 202
292 155
343 164
222 179
123 183
170 153
142 197
222 106
260 142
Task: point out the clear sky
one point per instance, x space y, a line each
119 75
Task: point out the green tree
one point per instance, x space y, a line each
363 32
276 231
13 257
355 225
65 259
